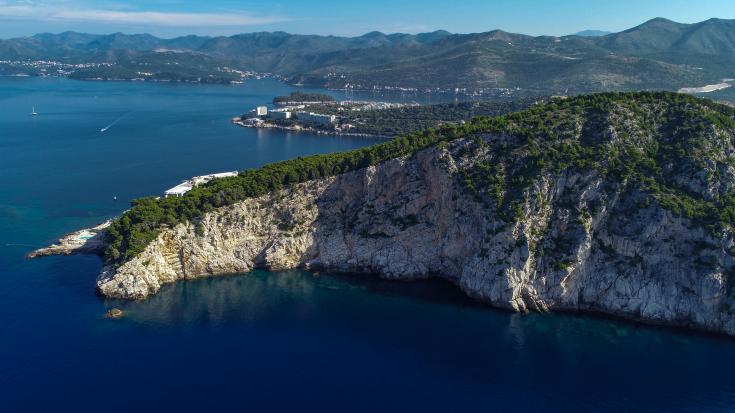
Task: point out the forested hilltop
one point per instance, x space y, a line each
675 150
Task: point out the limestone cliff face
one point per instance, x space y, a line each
578 243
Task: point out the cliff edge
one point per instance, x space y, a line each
616 204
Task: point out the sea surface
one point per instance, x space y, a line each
272 341
727 95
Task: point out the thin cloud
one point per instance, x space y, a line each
33 11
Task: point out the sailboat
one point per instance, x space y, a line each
34 113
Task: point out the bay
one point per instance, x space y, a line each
272 341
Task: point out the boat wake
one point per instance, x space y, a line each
103 130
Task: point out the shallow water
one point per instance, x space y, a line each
267 341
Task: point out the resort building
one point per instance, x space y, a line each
279 114
316 118
188 185
253 121
179 190
261 111
201 180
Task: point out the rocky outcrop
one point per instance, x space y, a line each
622 204
409 218
85 241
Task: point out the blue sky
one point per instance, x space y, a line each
169 18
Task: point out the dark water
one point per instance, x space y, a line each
283 341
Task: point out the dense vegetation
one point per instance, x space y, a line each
656 142
400 121
676 148
132 232
404 120
301 97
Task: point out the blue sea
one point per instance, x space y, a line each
288 341
726 95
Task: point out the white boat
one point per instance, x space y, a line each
33 112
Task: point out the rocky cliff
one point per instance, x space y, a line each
569 235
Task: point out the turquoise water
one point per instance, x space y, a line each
272 341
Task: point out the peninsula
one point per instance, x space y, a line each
318 114
617 203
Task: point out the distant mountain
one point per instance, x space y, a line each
499 59
708 46
714 36
592 33
659 54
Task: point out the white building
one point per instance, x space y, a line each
261 111
253 121
188 185
280 114
179 190
316 118
201 180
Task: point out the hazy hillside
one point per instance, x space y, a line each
592 33
659 54
707 46
657 36
503 60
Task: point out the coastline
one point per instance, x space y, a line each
307 129
467 93
91 241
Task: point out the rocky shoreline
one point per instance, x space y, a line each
85 241
610 213
407 219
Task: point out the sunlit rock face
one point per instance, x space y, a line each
577 243
621 204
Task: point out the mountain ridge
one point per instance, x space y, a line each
658 54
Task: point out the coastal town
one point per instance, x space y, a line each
115 71
26 68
